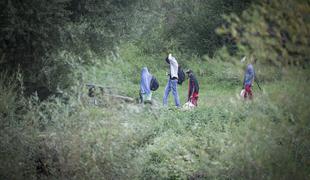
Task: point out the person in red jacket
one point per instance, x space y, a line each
193 88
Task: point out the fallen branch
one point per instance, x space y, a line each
115 96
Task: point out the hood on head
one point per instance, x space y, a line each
144 69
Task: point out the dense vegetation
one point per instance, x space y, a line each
52 129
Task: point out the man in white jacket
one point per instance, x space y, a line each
172 81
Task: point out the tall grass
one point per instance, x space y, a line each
224 138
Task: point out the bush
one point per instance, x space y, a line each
269 31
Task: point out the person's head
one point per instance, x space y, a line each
189 72
144 70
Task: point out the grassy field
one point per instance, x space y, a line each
223 138
51 129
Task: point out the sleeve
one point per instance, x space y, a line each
167 60
192 87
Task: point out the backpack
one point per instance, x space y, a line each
154 84
181 75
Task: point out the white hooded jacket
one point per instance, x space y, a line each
173 66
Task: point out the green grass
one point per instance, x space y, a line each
223 138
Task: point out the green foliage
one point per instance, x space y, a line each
51 42
276 32
223 138
169 25
30 31
193 25
107 43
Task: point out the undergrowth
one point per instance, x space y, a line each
224 138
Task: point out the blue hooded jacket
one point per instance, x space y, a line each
145 81
249 75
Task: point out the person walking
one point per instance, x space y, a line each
172 81
145 85
193 88
248 79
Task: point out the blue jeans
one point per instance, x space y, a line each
172 84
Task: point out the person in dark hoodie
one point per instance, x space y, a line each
193 88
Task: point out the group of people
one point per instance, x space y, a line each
148 82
